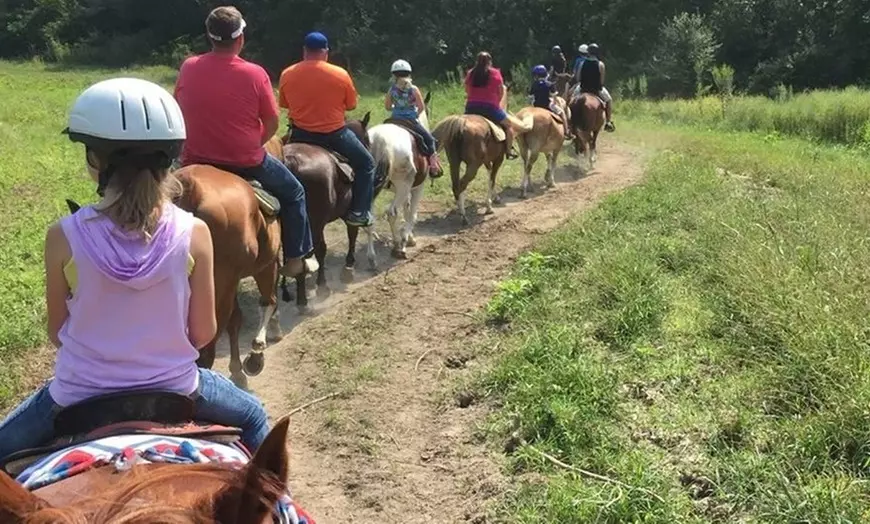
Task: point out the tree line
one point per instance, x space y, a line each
651 47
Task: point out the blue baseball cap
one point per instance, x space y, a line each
316 41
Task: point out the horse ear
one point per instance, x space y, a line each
365 120
265 480
428 98
73 206
16 503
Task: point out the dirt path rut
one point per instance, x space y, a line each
394 446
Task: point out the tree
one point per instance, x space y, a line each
686 51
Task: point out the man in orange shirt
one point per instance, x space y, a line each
317 94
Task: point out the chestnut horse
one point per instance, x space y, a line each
177 493
247 242
587 119
547 136
401 163
327 197
478 142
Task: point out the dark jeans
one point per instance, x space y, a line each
277 179
345 143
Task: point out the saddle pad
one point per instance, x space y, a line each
497 130
124 451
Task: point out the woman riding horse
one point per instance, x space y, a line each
118 269
487 96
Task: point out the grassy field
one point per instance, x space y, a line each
700 340
39 168
833 116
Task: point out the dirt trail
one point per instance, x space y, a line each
395 447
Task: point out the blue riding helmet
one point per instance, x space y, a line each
539 70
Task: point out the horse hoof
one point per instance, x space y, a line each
272 339
346 276
323 291
489 211
303 309
399 254
465 221
240 380
258 345
497 199
411 242
254 363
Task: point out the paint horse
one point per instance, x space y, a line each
400 162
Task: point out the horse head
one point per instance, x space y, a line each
360 129
198 493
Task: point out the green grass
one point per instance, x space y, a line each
40 168
702 338
835 116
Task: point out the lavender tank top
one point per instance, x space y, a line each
127 325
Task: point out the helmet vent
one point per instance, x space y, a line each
123 116
147 116
167 113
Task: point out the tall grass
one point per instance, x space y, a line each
701 340
834 116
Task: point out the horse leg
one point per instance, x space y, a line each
527 177
551 168
350 260
460 187
403 190
370 249
234 327
492 195
594 148
270 326
527 167
411 215
320 253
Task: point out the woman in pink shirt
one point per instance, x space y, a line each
130 280
487 96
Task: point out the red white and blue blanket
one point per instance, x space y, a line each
124 451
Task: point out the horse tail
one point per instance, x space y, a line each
448 134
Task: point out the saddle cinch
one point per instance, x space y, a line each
126 413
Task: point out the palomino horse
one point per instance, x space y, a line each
547 136
401 163
327 183
86 483
587 119
478 142
247 242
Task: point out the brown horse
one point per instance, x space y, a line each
327 197
478 142
168 493
247 242
587 119
547 136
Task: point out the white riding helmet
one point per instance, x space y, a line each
400 66
127 112
584 49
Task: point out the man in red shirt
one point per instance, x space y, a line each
230 113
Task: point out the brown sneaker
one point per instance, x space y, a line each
298 266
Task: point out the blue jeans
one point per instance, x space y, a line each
345 143
218 400
277 179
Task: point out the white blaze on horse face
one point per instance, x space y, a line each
266 315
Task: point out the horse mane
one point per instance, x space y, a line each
129 503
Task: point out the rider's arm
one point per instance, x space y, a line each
201 321
418 97
601 68
388 102
350 95
57 254
268 108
